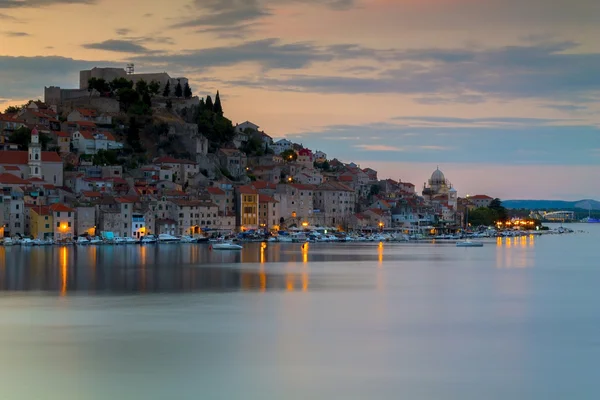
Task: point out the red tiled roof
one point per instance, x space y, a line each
264 185
377 211
345 178
263 198
303 186
215 190
86 112
336 186
35 179
59 207
22 157
10 179
39 210
124 200
86 123
12 168
108 136
480 197
89 193
86 135
62 134
246 189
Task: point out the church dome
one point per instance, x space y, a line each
438 176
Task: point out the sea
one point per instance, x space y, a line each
518 318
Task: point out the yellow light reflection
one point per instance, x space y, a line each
508 243
143 268
289 284
531 240
263 278
63 270
305 281
498 241
380 253
523 241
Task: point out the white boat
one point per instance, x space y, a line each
468 243
166 238
187 239
8 242
226 246
148 239
284 239
27 242
82 240
130 240
96 240
119 240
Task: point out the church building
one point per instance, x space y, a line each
34 163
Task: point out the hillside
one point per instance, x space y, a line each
552 204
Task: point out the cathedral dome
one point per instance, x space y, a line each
438 177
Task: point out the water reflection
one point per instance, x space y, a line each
515 252
168 268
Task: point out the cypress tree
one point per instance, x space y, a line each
167 90
178 90
209 103
218 108
187 91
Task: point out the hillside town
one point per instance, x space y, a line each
129 155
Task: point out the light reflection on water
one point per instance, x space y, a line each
514 319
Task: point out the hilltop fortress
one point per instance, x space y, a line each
58 96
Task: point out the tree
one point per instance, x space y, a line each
22 138
99 85
141 87
133 135
120 83
289 155
217 108
127 97
12 109
209 104
496 205
483 216
178 89
105 157
167 89
169 104
375 189
154 88
187 91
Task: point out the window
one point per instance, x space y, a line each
16 206
37 157
69 214
36 170
47 226
58 224
125 225
58 214
69 224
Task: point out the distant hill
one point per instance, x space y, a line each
552 204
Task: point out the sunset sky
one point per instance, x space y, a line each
501 94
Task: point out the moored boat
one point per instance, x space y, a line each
225 246
468 243
166 238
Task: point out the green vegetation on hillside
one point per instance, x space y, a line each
22 138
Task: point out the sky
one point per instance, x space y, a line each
502 95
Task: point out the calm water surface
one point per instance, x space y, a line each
516 319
